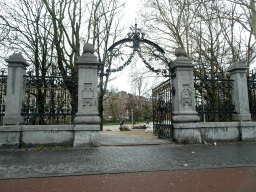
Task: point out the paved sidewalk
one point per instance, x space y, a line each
130 138
26 163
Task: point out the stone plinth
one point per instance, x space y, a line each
87 118
15 90
240 92
184 114
184 99
10 136
187 133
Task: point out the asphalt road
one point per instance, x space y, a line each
209 180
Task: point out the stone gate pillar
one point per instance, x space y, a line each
184 114
184 99
15 90
87 118
240 91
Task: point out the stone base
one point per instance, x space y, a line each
185 118
242 117
87 135
90 119
187 133
249 134
10 137
248 131
87 127
87 139
13 120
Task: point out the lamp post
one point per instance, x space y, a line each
132 118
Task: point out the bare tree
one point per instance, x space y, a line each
50 33
66 19
220 30
170 21
213 33
140 91
100 22
29 32
242 17
104 34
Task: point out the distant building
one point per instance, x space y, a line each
117 106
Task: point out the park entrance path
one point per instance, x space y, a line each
115 137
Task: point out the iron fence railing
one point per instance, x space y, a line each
251 83
3 88
49 99
213 97
162 109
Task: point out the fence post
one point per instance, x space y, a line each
15 90
184 114
183 108
87 118
240 91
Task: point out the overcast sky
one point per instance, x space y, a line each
122 82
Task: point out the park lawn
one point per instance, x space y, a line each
141 122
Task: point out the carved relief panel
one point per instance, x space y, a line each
88 95
186 100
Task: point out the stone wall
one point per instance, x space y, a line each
36 135
191 133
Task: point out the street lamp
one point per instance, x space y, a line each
132 118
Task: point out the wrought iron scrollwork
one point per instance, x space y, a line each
213 97
251 83
49 98
162 109
3 87
134 41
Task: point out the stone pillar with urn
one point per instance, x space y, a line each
184 115
87 118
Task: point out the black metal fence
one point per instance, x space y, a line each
3 88
213 97
162 109
251 83
49 99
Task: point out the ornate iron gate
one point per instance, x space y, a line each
152 56
162 110
251 83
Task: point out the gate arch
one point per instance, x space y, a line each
161 95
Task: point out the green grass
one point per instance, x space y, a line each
140 122
45 146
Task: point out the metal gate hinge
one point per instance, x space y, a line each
173 91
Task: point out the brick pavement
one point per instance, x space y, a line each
127 141
24 163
